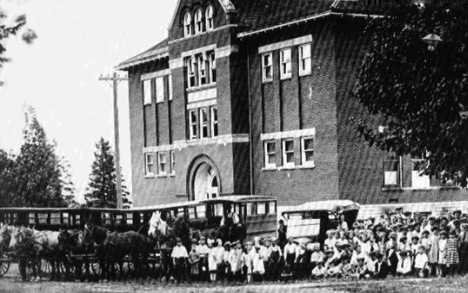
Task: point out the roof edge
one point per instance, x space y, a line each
158 54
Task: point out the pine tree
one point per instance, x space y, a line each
68 187
102 189
37 169
7 179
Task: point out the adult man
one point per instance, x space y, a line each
282 232
464 249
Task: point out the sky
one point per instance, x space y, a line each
78 40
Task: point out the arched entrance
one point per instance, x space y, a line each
203 179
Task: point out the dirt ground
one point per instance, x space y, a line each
11 282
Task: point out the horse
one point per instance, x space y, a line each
71 242
5 235
33 245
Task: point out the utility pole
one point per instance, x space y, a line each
115 84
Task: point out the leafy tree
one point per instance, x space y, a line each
7 179
7 31
102 189
420 95
37 170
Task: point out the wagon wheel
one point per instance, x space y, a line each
46 266
4 265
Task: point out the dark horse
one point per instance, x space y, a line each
71 244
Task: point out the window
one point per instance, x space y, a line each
285 60
43 218
203 123
188 24
250 209
149 163
270 154
66 217
169 87
199 22
267 66
77 220
418 179
191 213
106 218
209 18
305 61
191 79
32 218
307 151
392 171
162 164
288 153
147 99
271 207
218 210
159 89
193 121
172 162
118 219
129 218
261 208
201 64
55 219
201 211
214 122
212 62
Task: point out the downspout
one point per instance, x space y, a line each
250 122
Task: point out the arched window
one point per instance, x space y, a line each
188 24
199 25
209 18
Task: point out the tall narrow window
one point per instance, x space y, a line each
204 123
270 154
188 24
172 157
418 178
307 151
191 78
209 18
285 60
169 87
147 95
214 122
159 89
288 153
212 62
201 64
305 61
199 28
149 164
392 171
267 67
193 121
162 164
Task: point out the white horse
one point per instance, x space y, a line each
156 223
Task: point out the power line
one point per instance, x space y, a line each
115 78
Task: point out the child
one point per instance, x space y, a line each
347 269
453 259
212 261
334 270
372 262
361 270
317 256
381 268
404 264
258 268
194 258
275 260
420 262
442 260
330 241
433 254
319 271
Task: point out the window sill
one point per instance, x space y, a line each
270 80
311 166
301 74
295 167
201 87
397 188
149 176
171 175
161 176
287 77
269 168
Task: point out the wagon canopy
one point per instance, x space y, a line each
328 205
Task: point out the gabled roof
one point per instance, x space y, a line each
260 14
157 51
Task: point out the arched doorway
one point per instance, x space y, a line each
203 180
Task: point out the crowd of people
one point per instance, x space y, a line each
399 244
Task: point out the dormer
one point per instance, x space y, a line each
197 17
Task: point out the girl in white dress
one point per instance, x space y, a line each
442 253
212 262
